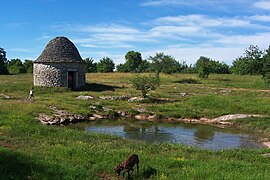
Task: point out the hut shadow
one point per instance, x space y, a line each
98 87
18 166
188 81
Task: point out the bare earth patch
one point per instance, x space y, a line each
105 176
7 145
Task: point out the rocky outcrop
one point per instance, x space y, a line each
59 117
122 97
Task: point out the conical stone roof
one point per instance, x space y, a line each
60 49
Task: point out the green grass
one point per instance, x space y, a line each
30 150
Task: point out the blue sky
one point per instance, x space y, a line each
185 29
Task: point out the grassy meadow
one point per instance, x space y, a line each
30 150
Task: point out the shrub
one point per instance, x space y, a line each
145 83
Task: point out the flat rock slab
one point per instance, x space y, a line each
85 97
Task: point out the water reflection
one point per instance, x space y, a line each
206 137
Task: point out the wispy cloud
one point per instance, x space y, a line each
260 18
244 40
196 3
105 35
263 5
206 21
163 2
185 37
108 28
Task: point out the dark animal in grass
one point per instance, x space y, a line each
128 165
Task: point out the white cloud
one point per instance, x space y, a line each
109 28
163 31
163 2
260 39
262 5
184 37
260 18
206 21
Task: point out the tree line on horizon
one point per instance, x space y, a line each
253 62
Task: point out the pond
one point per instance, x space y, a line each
202 136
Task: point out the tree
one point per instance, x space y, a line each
91 66
28 65
106 64
164 63
122 68
145 83
251 63
203 67
266 66
15 66
144 66
3 62
133 61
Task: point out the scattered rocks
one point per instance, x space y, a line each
122 113
267 144
96 117
135 99
140 109
146 117
123 97
59 117
183 94
85 97
266 154
5 96
221 121
233 116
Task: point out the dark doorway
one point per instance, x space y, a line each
71 79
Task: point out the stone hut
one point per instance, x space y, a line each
59 65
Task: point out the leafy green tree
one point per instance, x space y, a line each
122 68
145 83
144 66
266 66
106 64
219 67
203 67
3 62
15 66
251 63
164 63
91 66
28 65
133 61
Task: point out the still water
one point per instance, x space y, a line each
203 136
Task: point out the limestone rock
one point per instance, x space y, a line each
135 99
85 97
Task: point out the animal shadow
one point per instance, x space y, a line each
148 172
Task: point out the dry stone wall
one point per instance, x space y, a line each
55 74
